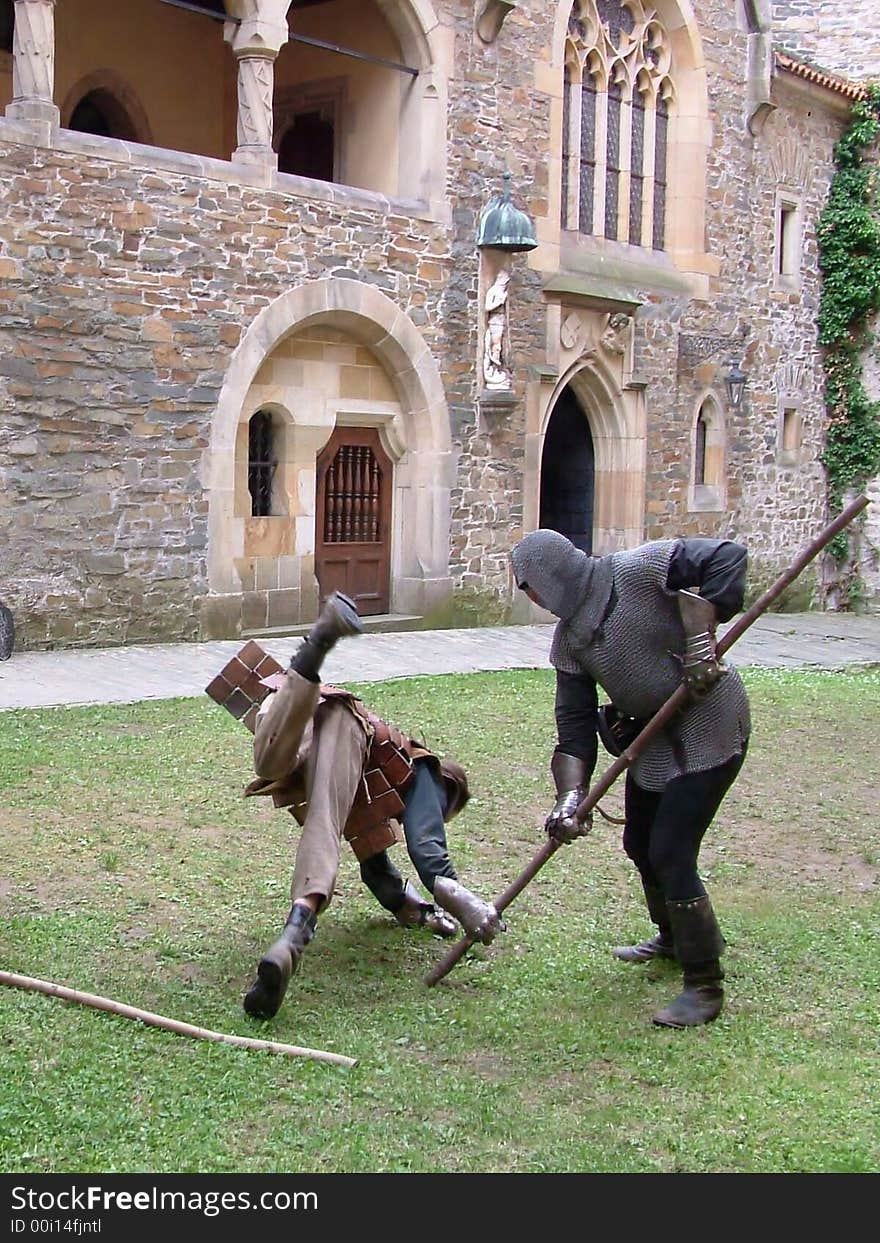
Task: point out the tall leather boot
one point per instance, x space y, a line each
698 947
660 946
339 617
279 963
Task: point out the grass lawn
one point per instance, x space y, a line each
133 868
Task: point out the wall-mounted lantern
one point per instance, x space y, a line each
503 226
735 382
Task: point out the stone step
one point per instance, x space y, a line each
381 623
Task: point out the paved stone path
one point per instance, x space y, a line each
165 671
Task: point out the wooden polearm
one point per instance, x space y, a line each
661 718
50 989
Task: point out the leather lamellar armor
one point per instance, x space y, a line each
372 822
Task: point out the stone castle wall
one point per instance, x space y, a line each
126 288
844 38
125 291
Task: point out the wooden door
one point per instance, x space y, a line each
353 519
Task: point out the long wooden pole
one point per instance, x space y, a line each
675 701
158 1020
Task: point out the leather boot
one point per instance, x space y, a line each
338 618
661 945
479 919
416 912
279 963
698 947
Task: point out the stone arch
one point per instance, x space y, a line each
419 104
414 427
617 426
690 131
119 99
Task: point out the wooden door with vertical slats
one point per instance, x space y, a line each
353 519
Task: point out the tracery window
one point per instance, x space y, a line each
617 97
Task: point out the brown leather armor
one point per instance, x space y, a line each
372 825
388 771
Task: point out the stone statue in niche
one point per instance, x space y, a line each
496 363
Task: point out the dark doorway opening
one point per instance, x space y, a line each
101 113
568 473
307 147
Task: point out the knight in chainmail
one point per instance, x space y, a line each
637 623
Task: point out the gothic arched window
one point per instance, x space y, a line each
617 95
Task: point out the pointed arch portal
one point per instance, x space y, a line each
568 473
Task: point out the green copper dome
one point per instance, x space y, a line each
503 226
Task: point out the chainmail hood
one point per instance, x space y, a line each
576 588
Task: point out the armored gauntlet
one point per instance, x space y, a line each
701 667
571 777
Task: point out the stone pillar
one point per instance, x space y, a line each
33 63
256 42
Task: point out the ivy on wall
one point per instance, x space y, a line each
849 257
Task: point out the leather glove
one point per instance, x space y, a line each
561 824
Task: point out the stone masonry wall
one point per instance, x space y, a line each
842 37
124 292
774 509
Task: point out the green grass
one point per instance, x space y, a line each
133 868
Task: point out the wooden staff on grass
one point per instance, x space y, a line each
30 984
656 723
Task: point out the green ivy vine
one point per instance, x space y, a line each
849 258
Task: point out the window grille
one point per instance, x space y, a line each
262 463
351 497
588 155
660 144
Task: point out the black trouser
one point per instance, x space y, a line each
425 833
664 828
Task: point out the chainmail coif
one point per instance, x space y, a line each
574 587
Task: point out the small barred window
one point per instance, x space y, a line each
262 463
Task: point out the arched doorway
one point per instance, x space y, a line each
568 473
328 356
100 112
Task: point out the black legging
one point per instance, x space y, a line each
425 833
664 828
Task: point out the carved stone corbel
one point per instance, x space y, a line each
490 17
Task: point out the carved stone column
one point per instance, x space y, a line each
256 42
33 63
